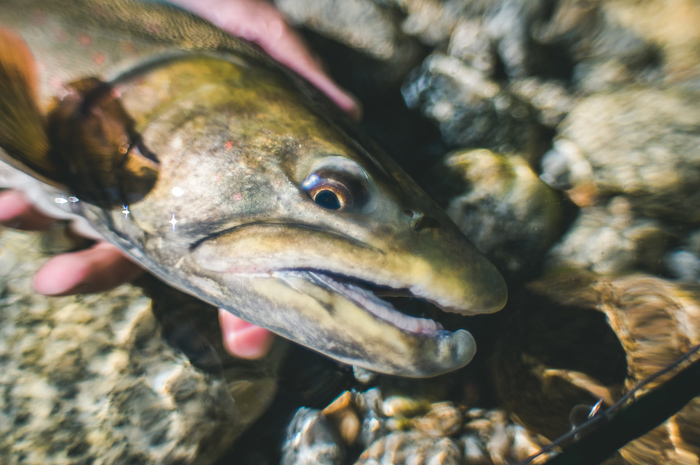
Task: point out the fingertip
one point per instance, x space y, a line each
18 213
61 275
11 204
242 339
339 96
352 107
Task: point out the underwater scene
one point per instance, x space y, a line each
330 232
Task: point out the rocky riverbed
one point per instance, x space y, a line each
133 375
562 136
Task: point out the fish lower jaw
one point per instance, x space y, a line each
363 297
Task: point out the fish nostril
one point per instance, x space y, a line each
420 221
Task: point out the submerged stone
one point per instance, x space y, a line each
506 210
641 143
94 378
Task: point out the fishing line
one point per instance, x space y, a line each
612 428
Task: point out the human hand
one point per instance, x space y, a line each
103 266
261 23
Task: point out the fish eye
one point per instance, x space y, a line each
328 192
333 186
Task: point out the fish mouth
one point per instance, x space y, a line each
349 320
368 296
368 331
328 292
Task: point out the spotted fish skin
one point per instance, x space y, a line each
232 179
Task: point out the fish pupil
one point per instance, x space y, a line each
327 199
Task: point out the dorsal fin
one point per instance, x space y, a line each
22 127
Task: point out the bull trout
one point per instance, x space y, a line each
233 180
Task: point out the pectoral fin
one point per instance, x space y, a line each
94 138
87 141
22 127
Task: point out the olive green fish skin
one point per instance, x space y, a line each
230 218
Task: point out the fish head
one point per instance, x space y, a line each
235 185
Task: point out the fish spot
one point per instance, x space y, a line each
129 47
228 145
159 381
84 40
99 58
22 417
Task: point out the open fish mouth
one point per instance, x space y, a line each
328 292
367 296
354 323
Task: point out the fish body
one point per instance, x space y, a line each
233 180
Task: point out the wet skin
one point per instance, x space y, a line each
276 210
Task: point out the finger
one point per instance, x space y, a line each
16 212
285 46
261 23
96 269
243 339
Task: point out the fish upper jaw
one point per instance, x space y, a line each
446 270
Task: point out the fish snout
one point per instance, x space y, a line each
446 268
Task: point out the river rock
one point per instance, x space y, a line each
470 109
599 50
431 21
506 211
611 240
111 379
401 425
671 30
550 99
409 448
311 440
490 437
641 143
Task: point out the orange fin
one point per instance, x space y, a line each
22 128
93 138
